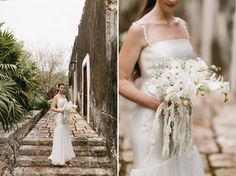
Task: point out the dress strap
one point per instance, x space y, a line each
185 26
144 31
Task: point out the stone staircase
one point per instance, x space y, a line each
91 153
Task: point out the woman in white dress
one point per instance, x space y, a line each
62 150
157 34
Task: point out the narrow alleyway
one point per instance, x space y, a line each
91 153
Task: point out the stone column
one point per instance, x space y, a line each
208 12
233 61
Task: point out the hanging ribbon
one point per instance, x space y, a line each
177 128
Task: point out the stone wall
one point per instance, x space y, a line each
10 142
97 37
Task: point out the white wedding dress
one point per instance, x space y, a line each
62 150
141 122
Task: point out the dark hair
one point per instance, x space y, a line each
147 7
60 84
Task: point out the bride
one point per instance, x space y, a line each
62 150
157 34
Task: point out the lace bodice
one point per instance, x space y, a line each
163 50
61 102
176 48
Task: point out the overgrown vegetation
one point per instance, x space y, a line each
20 90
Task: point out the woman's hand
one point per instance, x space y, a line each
155 104
60 109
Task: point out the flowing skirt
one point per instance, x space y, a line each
140 126
62 150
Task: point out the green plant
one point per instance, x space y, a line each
19 88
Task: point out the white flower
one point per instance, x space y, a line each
175 79
201 63
69 108
225 87
176 64
177 82
212 85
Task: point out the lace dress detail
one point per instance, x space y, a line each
177 19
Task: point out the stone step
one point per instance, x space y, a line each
83 162
32 150
97 141
63 170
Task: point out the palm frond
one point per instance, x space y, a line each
8 69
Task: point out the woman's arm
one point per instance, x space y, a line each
53 106
128 57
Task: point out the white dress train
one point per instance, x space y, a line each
62 150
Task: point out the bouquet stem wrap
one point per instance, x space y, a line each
177 129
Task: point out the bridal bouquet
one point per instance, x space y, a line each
69 108
175 83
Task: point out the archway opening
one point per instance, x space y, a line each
86 88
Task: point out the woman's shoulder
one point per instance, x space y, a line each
141 24
183 23
59 96
136 31
136 27
56 97
181 20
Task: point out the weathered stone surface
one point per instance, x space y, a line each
205 163
51 171
202 132
224 131
79 150
91 152
222 120
208 174
225 172
82 161
10 141
223 160
225 110
201 116
90 140
4 170
228 145
97 37
200 119
225 126
207 146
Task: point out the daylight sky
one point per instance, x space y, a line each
43 22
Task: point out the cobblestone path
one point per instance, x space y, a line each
91 153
